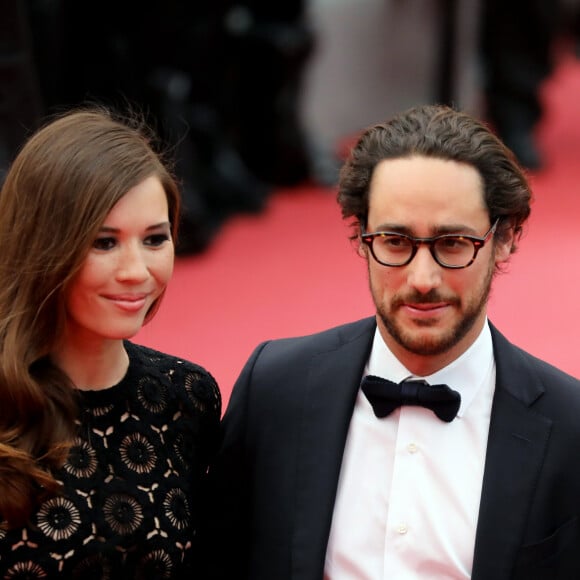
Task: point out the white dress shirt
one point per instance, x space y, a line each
410 484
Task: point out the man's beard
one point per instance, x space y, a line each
427 345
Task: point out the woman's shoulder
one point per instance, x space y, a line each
150 357
178 371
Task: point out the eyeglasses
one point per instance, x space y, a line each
448 250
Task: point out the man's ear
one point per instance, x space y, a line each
362 249
503 245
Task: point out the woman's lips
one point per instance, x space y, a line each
128 302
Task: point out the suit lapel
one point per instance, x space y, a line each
331 388
517 443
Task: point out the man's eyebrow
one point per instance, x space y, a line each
439 230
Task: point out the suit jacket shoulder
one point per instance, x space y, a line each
326 340
533 380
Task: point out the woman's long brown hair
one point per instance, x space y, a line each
56 194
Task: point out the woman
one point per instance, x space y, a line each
103 443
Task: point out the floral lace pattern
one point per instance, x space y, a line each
131 482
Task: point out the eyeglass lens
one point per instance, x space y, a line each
395 250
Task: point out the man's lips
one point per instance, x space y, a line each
426 306
425 309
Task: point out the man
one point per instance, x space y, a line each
321 475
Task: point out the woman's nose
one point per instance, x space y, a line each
132 263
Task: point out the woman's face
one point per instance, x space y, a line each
126 270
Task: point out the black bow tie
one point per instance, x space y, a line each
385 396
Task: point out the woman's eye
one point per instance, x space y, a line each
104 243
156 239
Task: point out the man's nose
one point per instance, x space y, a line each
423 272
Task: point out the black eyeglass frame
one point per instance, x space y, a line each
478 243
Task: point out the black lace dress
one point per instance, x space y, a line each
131 484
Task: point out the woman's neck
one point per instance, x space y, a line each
95 366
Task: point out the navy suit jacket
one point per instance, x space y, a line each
273 486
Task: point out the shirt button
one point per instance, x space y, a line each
402 529
412 448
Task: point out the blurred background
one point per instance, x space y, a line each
258 102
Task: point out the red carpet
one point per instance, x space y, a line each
291 270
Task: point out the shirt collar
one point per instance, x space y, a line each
466 374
